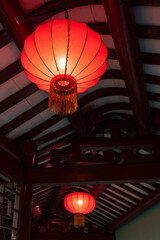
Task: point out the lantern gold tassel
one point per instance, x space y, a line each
79 220
63 95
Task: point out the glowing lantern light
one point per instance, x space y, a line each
79 203
64 57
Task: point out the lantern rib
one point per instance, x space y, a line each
92 72
37 77
40 55
91 60
69 209
81 51
72 203
93 204
67 46
88 203
89 81
53 48
34 65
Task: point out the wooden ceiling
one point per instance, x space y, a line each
110 146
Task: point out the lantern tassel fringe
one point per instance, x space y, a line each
79 220
63 99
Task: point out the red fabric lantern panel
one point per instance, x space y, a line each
79 202
66 52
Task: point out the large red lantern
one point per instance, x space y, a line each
64 57
79 203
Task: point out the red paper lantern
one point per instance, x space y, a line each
64 57
79 203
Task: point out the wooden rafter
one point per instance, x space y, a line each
17 97
97 190
40 128
122 26
44 105
64 140
139 208
11 71
53 204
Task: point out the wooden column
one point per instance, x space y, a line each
26 212
28 153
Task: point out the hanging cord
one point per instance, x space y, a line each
66 13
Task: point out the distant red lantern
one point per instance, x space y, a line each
64 57
79 203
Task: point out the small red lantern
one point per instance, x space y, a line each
64 57
79 203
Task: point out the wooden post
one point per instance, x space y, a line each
25 212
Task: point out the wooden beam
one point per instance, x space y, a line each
121 143
139 208
25 212
94 174
122 26
15 21
10 167
97 190
71 236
